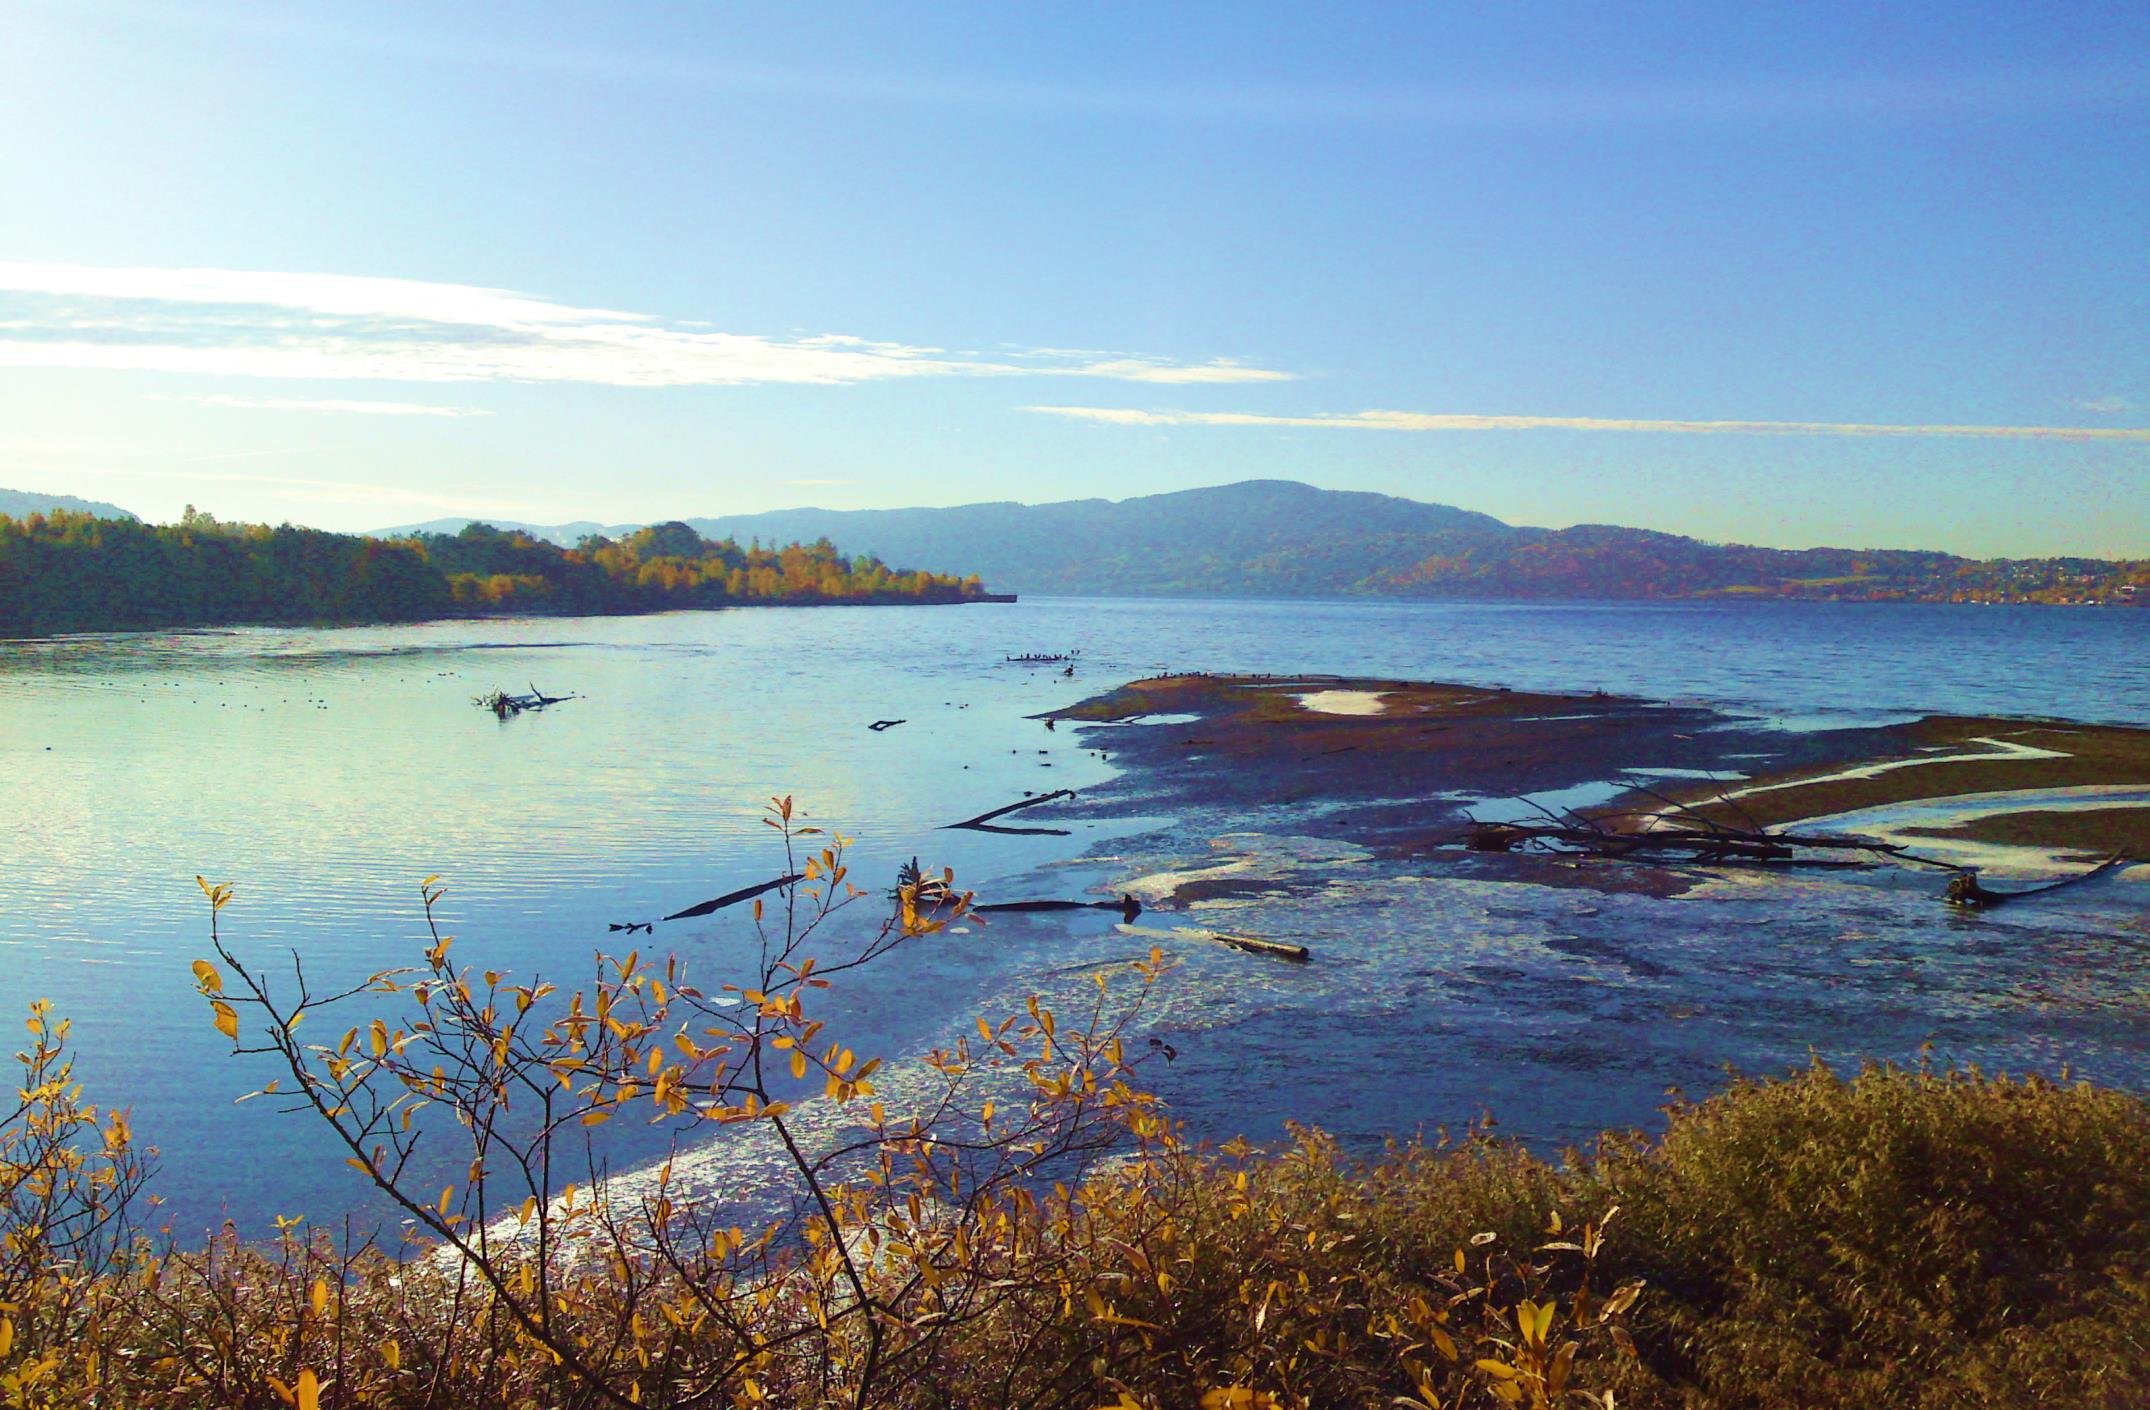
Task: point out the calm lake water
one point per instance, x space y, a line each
325 772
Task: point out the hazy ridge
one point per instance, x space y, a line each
1283 538
17 504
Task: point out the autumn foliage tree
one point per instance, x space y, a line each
68 571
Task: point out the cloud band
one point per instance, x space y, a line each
1452 421
238 323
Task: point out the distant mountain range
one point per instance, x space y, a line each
17 504
1279 538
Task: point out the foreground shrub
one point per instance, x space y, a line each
1903 1238
1908 1238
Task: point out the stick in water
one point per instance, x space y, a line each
1016 807
729 898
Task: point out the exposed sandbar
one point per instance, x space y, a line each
1401 766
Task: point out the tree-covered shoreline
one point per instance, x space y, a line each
76 572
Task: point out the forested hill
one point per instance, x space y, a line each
1281 538
1257 538
71 572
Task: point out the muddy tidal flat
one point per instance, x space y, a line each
1565 994
1405 768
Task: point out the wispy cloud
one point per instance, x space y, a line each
1445 421
364 408
2105 406
1223 370
239 323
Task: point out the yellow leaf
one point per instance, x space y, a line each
205 975
1500 1369
320 1296
307 1393
1623 1298
1238 1398
1557 1377
227 1019
7 1335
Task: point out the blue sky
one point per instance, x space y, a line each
1863 275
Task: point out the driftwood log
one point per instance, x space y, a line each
1697 844
1127 906
1965 890
983 822
934 892
508 706
1699 839
713 905
1251 944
